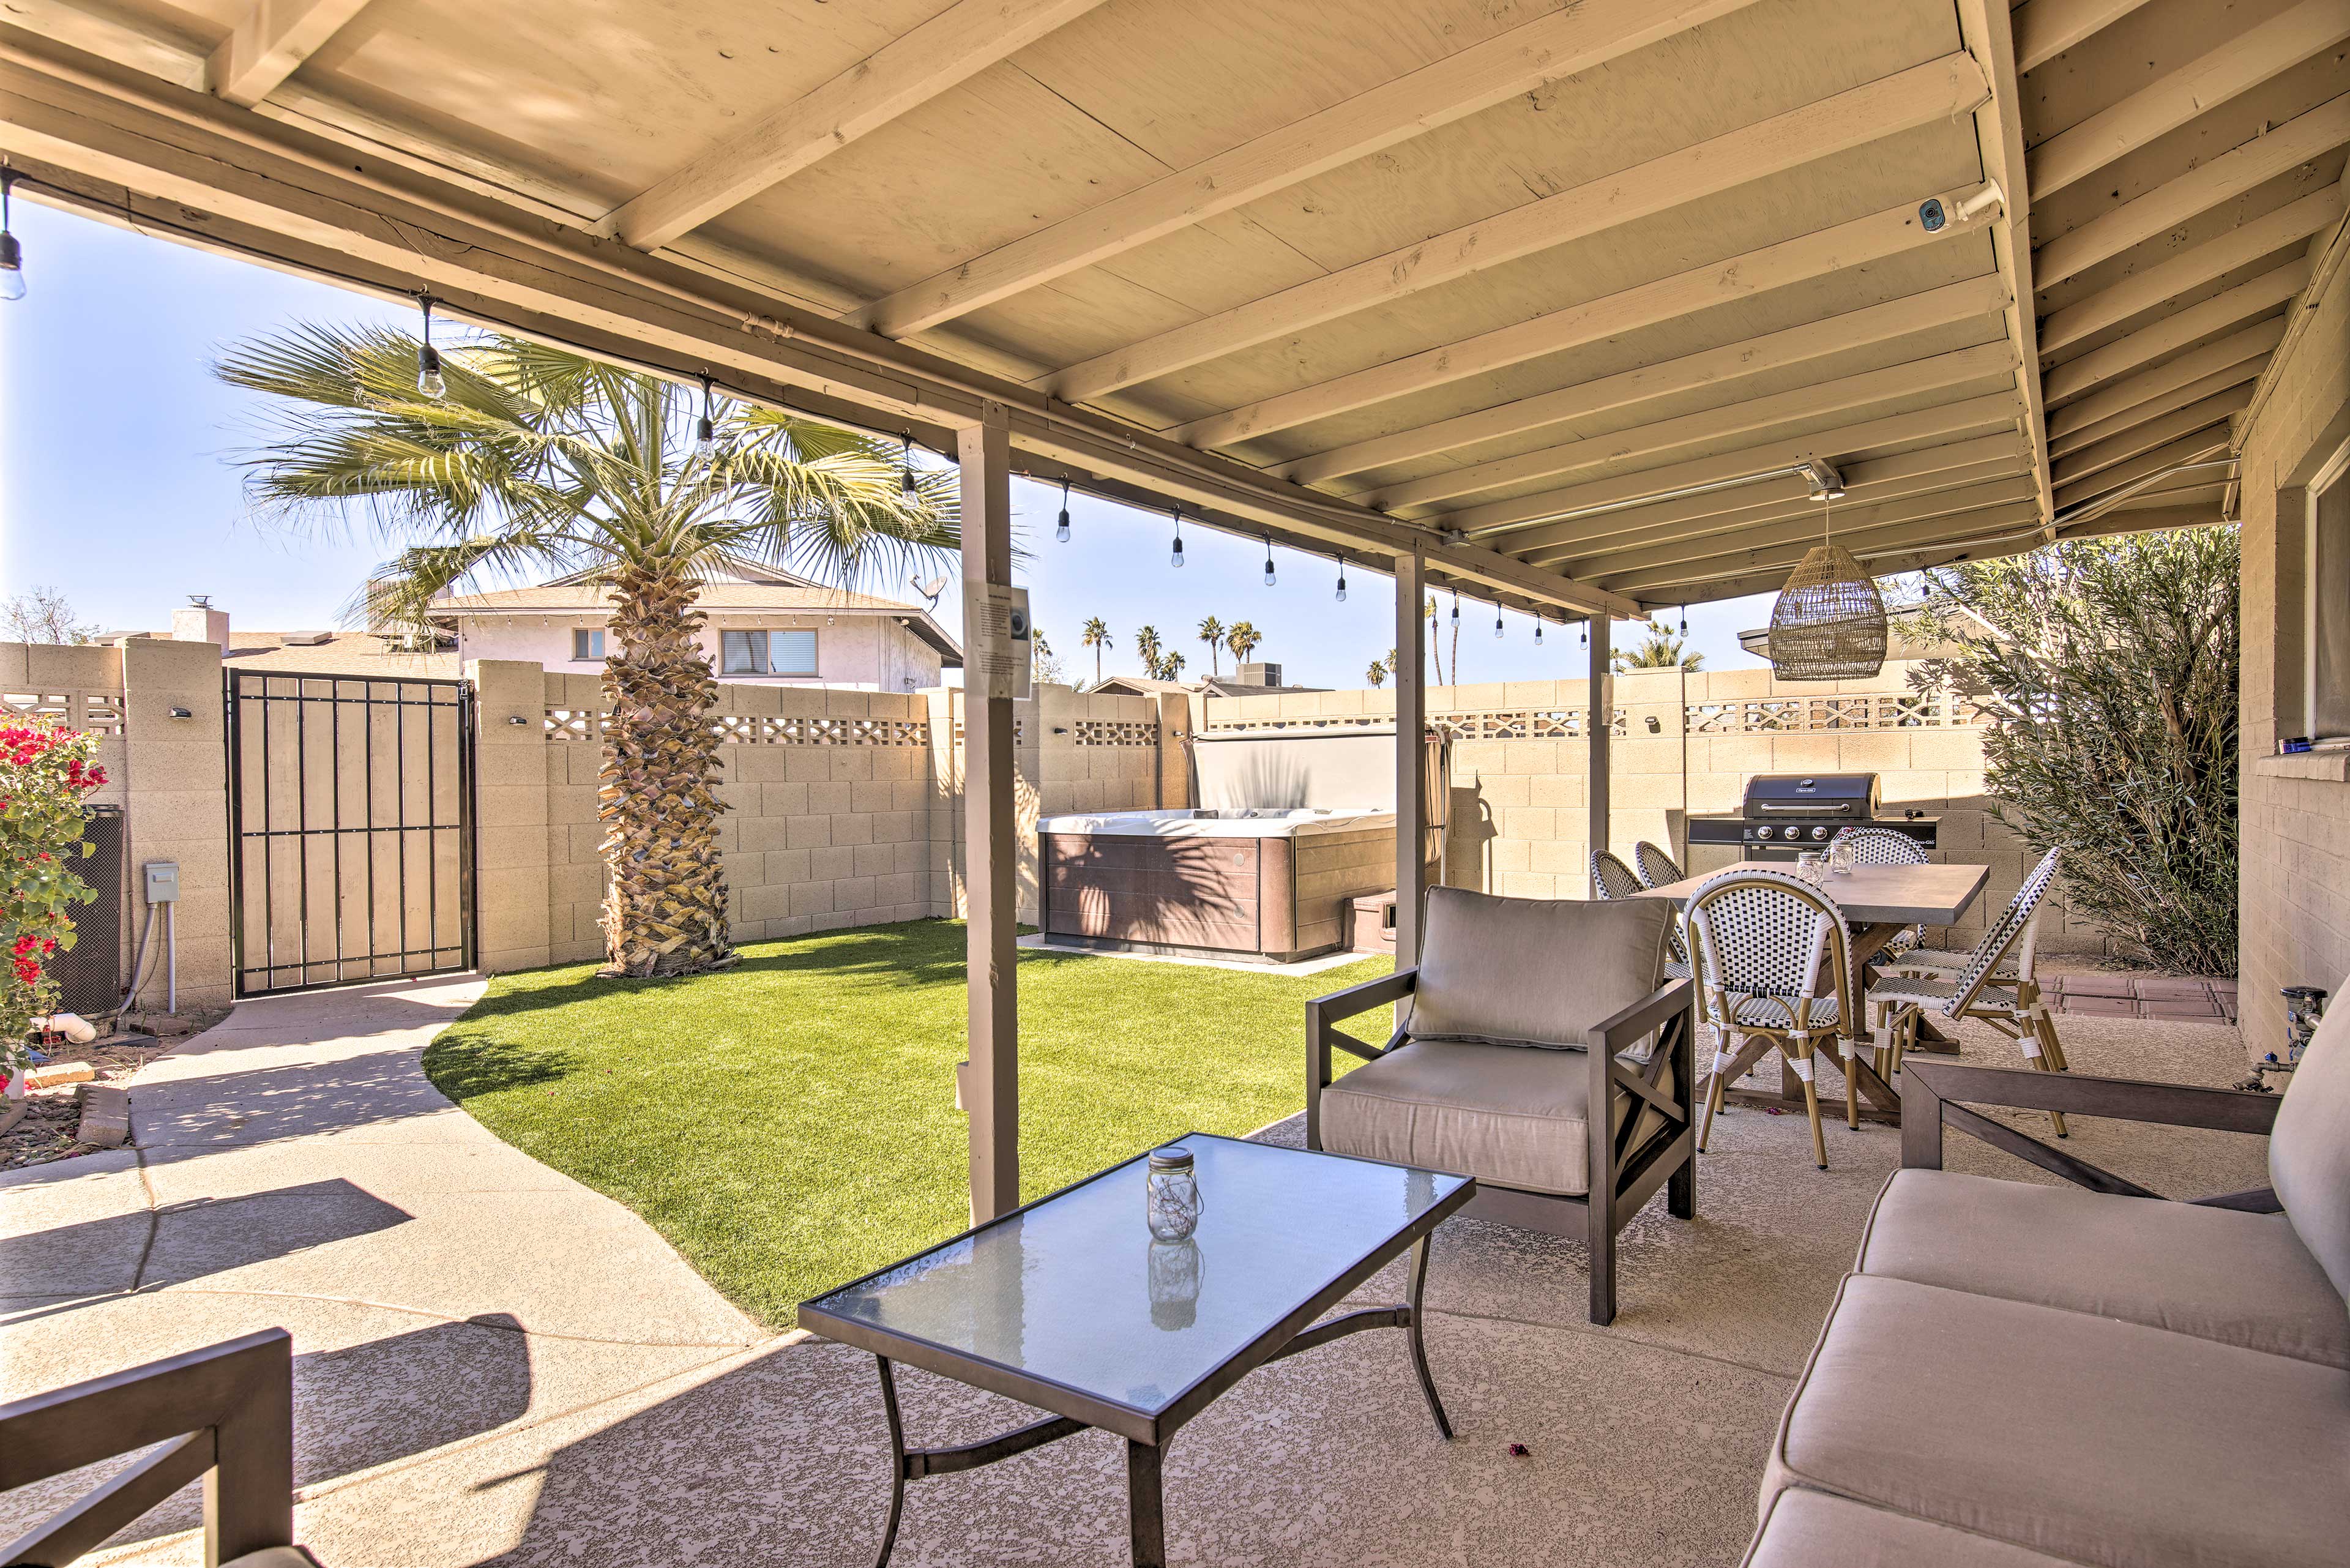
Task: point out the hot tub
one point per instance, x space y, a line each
1271 882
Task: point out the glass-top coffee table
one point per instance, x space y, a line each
1070 1304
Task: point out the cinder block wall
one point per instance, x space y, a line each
2294 906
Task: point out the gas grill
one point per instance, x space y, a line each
1786 813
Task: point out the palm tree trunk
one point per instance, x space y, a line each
665 906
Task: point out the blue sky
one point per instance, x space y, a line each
117 488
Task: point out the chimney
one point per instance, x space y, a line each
199 622
1258 675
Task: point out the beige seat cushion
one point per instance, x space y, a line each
2095 1442
2241 1279
1533 972
2309 1150
1503 1114
1806 1528
275 1557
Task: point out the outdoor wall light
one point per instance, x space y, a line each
12 254
517 718
1061 527
182 713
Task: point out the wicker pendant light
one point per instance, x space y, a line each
1829 622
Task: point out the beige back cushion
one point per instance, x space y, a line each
2309 1151
1533 972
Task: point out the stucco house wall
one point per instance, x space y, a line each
864 652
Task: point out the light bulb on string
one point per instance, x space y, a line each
1539 621
705 429
1456 612
1342 577
1061 528
11 254
1582 635
1684 620
1269 576
906 485
428 380
1175 557
1497 622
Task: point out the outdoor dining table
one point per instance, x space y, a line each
1878 903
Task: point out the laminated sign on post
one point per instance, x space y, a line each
996 629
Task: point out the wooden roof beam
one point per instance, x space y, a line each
2215 258
1987 28
1890 322
2148 434
1817 255
2046 28
1974 416
269 43
2197 446
1973 488
904 74
1776 500
2250 347
1921 95
2235 68
2311 134
1822 399
1558 44
2242 374
2223 310
1997 509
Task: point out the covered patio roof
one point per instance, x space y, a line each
1557 295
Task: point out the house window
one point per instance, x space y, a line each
768 653
587 644
2327 603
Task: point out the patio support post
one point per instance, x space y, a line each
989 1079
1600 727
1411 767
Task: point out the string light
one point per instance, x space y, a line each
1684 620
1061 528
705 429
1540 619
428 380
1175 557
12 254
1269 577
1456 612
906 485
1582 635
1342 577
1497 621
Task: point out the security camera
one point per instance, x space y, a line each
1933 217
1930 213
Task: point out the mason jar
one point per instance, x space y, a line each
1171 1194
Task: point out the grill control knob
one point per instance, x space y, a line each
1762 832
1819 833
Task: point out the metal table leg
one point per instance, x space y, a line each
1419 1347
1146 1506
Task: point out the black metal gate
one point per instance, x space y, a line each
350 828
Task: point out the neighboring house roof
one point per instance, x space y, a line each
341 653
778 593
1213 686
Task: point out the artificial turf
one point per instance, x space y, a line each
789 1124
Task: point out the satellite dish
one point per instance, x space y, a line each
928 588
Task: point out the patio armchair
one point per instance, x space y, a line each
2017 1375
2014 1007
224 1413
1774 972
1523 1015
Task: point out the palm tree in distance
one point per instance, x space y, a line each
1096 637
1435 653
1211 632
1145 643
1243 639
1170 666
1660 650
536 459
1376 674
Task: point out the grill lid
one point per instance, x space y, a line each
1812 795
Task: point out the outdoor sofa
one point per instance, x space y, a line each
1521 1015
2016 1376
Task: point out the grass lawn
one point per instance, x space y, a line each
790 1124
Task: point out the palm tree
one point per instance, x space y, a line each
1096 636
1376 674
1662 650
1211 632
1243 640
1145 643
536 459
1435 653
1171 667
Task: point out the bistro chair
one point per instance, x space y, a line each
1996 984
1885 847
1567 1089
1656 868
1611 879
1774 972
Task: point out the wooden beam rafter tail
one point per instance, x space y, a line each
2046 28
945 51
269 43
1903 101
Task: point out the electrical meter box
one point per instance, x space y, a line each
162 882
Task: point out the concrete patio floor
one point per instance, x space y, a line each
495 1364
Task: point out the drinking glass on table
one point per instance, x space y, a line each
1840 857
1811 866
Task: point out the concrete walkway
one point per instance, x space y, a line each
294 1168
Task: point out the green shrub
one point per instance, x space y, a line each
2109 671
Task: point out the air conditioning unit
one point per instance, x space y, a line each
1258 675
